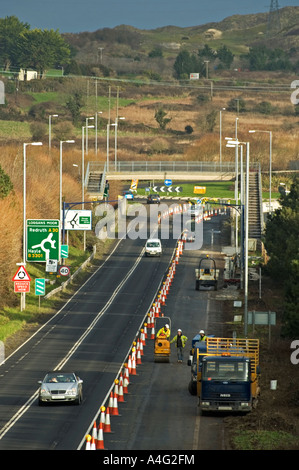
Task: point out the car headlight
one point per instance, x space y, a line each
71 391
44 391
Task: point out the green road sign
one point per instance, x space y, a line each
64 251
40 286
43 240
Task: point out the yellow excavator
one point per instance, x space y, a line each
162 340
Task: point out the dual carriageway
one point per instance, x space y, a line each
93 334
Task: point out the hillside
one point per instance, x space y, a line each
127 45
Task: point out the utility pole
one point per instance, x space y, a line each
274 25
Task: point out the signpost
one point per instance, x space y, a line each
21 282
77 220
43 240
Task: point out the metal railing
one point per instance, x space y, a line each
175 167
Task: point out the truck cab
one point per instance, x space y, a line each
227 374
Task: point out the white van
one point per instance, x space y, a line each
153 247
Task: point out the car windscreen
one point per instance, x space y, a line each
153 244
59 378
226 370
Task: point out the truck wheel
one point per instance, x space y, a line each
197 285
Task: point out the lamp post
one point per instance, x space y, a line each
50 125
96 131
270 163
107 158
220 137
87 126
83 174
24 210
60 172
115 142
233 143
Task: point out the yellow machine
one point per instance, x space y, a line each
162 342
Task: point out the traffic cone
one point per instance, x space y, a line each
126 383
88 442
102 416
111 400
127 375
115 406
129 365
142 337
140 349
100 440
133 370
138 359
93 443
120 394
94 431
116 388
153 333
145 330
107 425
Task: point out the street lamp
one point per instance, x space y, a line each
270 163
115 142
24 209
60 172
220 136
50 119
96 130
87 126
234 143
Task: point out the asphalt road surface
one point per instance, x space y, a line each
92 335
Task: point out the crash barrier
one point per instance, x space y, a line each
94 438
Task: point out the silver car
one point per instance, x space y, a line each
60 386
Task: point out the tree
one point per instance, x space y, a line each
282 245
74 105
185 64
6 185
10 30
41 50
225 56
161 119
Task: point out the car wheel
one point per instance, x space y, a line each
79 399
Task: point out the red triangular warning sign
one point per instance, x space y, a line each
21 275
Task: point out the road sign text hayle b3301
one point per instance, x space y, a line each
43 240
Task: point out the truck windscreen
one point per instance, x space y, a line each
230 370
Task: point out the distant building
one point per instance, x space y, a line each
26 75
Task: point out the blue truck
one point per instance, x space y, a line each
225 374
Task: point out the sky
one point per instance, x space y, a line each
74 16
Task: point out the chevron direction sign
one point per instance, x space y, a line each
168 189
40 286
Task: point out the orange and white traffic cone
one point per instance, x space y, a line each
140 349
116 388
114 411
94 433
138 358
153 333
129 364
100 440
133 370
111 401
93 443
142 337
88 442
127 375
145 330
120 393
102 416
126 384
107 424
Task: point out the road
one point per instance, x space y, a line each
92 334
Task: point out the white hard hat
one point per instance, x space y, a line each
201 332
180 330
166 326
